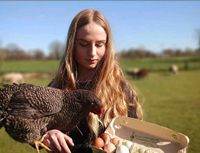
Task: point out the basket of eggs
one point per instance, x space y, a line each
129 135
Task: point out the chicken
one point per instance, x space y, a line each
27 112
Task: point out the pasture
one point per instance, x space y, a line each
169 100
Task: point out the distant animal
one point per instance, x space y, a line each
27 112
174 69
138 73
13 77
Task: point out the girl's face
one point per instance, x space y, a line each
90 46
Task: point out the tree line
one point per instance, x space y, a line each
168 52
13 52
56 49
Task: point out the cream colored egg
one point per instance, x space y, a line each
133 148
122 149
128 144
141 150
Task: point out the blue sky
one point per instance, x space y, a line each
153 25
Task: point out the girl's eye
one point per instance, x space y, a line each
100 44
83 44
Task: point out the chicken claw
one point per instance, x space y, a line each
40 143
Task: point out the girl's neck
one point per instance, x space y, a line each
85 75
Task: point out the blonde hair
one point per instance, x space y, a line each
110 76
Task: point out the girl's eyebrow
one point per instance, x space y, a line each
104 41
81 39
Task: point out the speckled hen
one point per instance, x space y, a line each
28 111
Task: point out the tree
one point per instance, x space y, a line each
38 54
12 47
198 39
1 43
56 50
16 53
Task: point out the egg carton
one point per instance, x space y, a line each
145 137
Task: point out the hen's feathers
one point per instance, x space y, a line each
35 104
5 95
28 111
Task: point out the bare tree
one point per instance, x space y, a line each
56 50
1 43
38 54
13 51
198 39
12 47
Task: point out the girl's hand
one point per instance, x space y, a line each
58 141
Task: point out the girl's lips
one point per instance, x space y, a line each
92 60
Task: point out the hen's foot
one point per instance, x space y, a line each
39 143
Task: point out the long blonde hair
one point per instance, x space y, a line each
110 76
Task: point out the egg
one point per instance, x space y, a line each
110 147
128 144
115 141
133 148
105 137
122 149
141 150
147 151
98 142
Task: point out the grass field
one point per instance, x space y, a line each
170 100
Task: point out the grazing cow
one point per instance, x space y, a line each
173 69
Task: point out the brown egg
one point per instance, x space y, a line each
98 142
105 137
115 141
110 147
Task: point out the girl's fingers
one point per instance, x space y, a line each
58 141
55 143
63 144
69 140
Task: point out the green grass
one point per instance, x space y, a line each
50 66
162 64
173 101
169 100
8 145
45 66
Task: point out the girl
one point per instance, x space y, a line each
89 62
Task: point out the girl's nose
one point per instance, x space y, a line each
92 50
